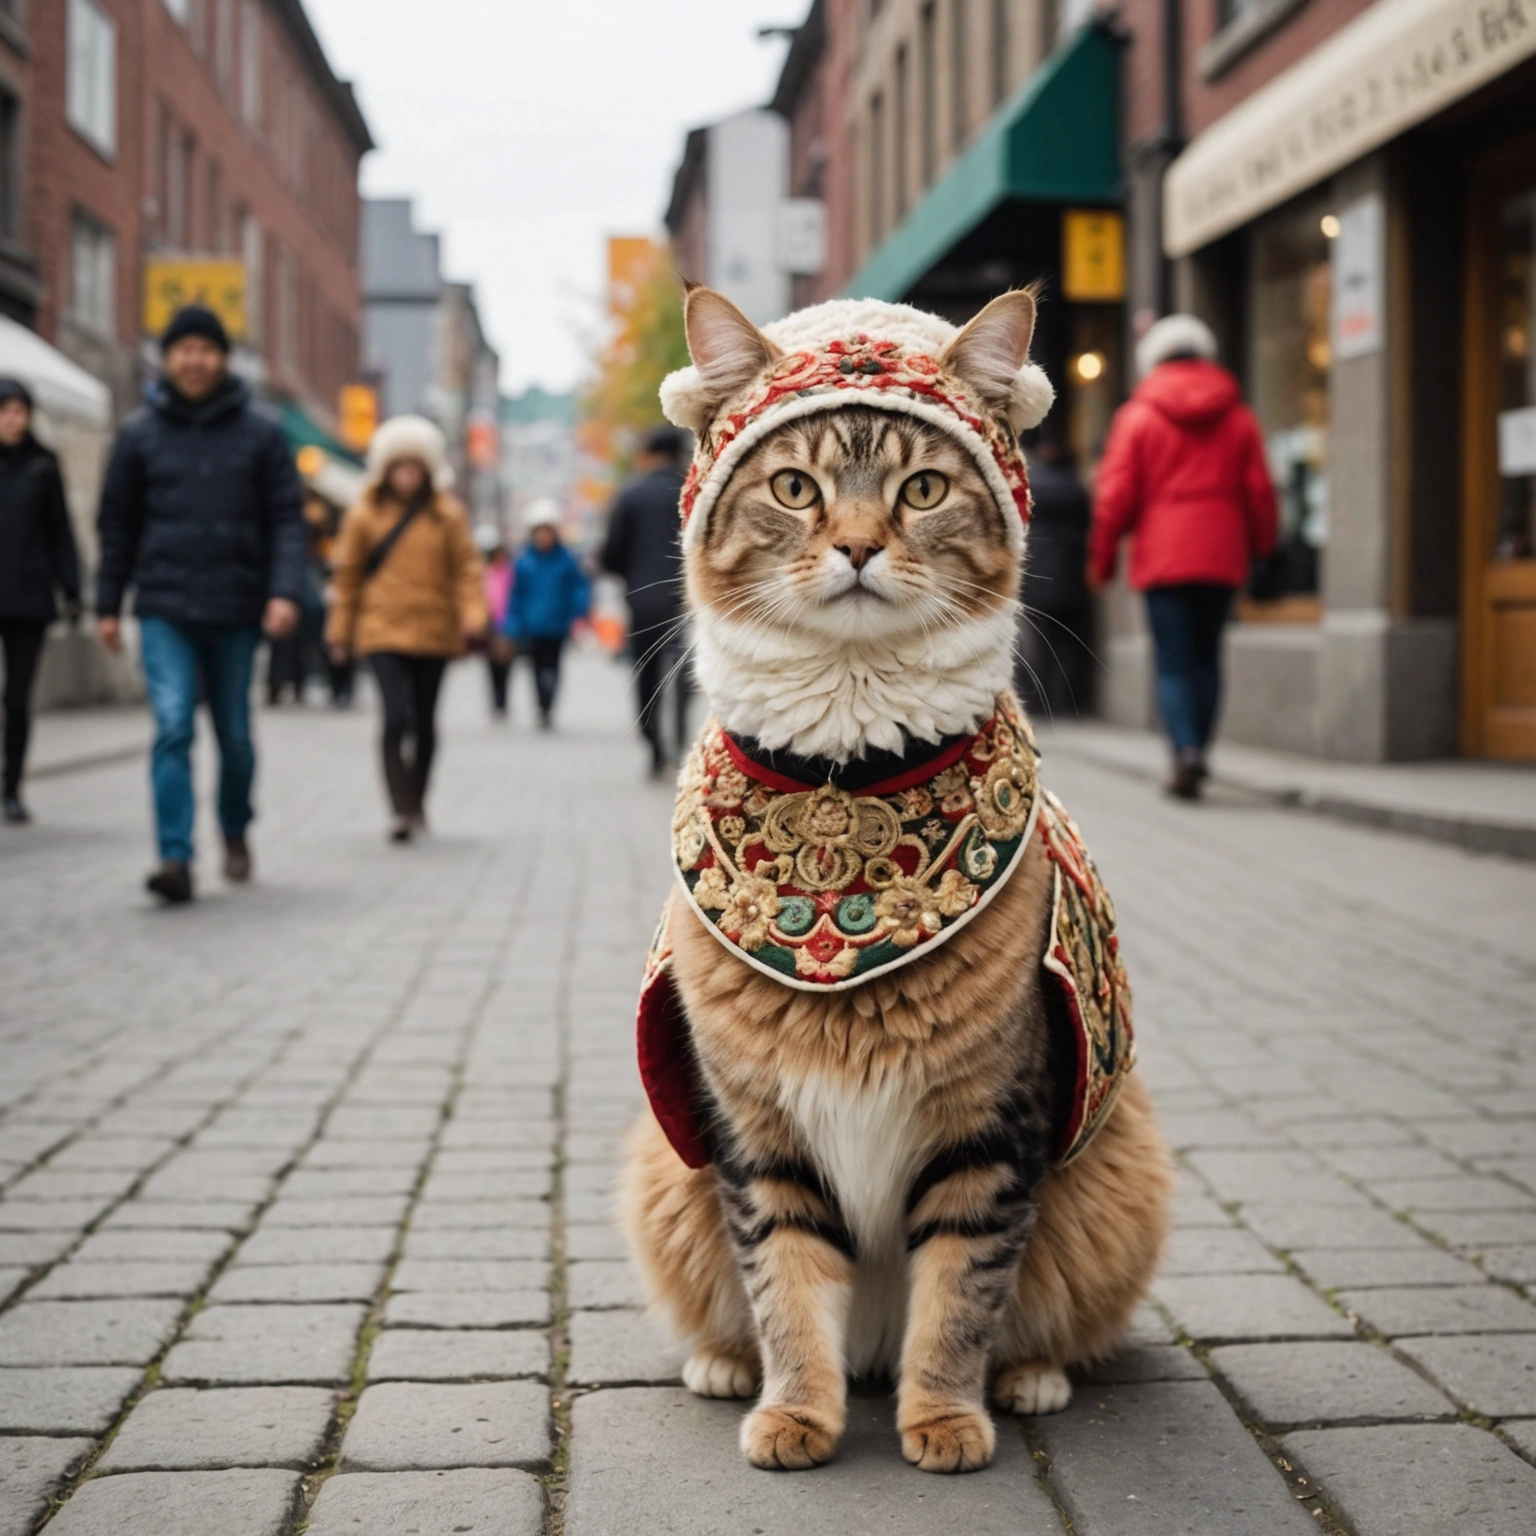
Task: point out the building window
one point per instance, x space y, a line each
91 84
92 276
180 9
224 44
213 210
1289 366
901 118
178 185
10 164
928 84
876 168
959 71
1000 43
288 313
250 62
255 275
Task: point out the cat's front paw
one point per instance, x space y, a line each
716 1373
958 1441
1033 1388
788 1439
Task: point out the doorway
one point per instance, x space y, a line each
1499 500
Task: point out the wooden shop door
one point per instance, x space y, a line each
1499 503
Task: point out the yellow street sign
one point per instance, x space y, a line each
1092 255
358 415
170 282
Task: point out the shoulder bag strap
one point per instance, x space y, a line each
380 551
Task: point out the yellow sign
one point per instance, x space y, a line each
1092 255
171 282
358 415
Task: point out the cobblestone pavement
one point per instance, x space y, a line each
305 1189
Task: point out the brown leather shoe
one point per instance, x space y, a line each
172 883
1186 780
237 859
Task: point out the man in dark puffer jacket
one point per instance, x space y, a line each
202 511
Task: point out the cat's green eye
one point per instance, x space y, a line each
795 489
927 488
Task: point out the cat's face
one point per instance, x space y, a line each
851 524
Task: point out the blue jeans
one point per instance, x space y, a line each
177 657
1187 621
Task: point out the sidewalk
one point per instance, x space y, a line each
305 1191
1488 807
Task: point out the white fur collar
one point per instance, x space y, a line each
855 696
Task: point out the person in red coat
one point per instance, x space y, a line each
1184 475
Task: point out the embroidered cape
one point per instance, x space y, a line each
823 889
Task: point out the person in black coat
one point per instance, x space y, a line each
644 546
37 562
1055 670
202 512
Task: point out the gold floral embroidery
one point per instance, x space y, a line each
749 911
711 892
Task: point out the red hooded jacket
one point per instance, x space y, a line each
1184 474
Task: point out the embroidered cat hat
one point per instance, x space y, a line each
974 384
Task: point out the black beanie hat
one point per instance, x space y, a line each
195 320
14 389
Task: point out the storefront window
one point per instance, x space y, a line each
1289 364
1515 537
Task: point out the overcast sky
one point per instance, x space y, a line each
529 130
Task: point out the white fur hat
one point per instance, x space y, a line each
859 352
543 513
410 437
1174 336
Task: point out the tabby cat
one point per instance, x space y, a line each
878 1190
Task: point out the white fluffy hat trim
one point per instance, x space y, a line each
410 437
1174 336
831 356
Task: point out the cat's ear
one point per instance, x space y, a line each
727 349
992 355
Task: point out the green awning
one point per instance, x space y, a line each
1057 140
302 431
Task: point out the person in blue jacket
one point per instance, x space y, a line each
549 593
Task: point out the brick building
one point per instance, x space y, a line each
141 128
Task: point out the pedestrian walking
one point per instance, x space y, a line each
201 513
499 650
1055 674
1184 474
644 547
38 563
409 596
550 591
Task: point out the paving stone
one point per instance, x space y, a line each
344 1211
458 1215
267 1345
413 1274
1217 1251
331 1183
1358 1268
1516 1264
410 1354
180 1428
411 1426
348 1123
367 1154
1163 1458
24 1249
1373 1163
249 1502
1301 1226
147 1245
1136 1361
1452 1194
1521 1433
31 1467
127 1332
1248 1307
647 1459
76 1281
224 1215
1333 1382
298 1282
603 1283
467 1309
587 1240
64 1400
49 1215
1475 1229
1493 1374
317 1245
1448 1478
1191 1208
1285 1177
480 1243
621 1348
1481 1308
485 1501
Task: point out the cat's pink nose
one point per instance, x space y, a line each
860 552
